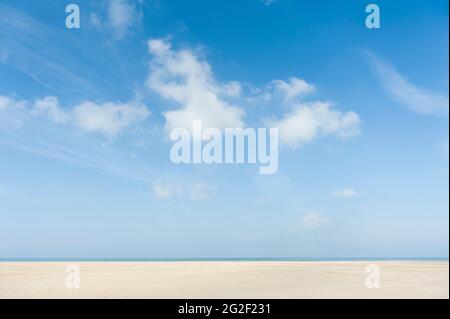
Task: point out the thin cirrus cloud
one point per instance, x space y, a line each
196 191
401 90
62 154
7 192
344 193
268 2
21 49
312 221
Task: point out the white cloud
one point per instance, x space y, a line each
182 76
121 16
344 193
293 88
108 118
402 91
317 119
313 221
196 191
10 102
49 106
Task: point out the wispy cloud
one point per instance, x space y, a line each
267 2
194 191
68 156
19 196
401 90
313 221
344 193
52 65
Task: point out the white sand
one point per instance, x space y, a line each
224 280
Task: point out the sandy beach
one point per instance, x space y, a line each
398 279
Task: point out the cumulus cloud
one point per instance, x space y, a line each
120 17
10 102
49 106
184 77
404 92
108 118
344 193
313 221
196 191
293 88
311 120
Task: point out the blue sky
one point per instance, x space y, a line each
362 113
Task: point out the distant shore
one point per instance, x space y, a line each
225 279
